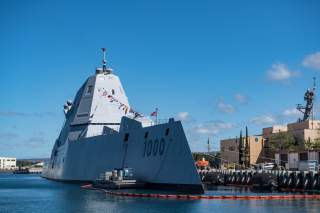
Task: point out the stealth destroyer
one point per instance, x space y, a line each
102 132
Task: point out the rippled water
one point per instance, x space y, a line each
31 193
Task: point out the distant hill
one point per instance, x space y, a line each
30 162
34 160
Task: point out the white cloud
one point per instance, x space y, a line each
291 112
240 98
312 61
263 120
35 141
183 116
25 114
14 140
280 72
8 136
224 107
212 127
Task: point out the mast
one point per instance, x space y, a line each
104 68
104 61
309 97
208 143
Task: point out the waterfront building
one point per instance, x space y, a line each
297 137
8 163
230 149
291 160
303 132
279 139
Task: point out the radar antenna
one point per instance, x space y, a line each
309 97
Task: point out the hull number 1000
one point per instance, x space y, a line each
154 147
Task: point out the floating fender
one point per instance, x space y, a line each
230 178
243 179
290 180
225 178
283 182
286 180
317 177
249 179
233 178
221 178
280 180
298 181
182 196
162 196
313 183
172 196
306 181
238 178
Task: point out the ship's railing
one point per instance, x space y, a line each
160 121
116 129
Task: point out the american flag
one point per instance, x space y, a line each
155 113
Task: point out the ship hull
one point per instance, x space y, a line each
159 156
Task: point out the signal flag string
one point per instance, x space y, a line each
122 106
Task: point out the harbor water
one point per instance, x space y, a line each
31 193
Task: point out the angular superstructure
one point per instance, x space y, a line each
102 132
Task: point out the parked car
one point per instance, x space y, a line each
266 166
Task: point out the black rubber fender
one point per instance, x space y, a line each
317 187
306 182
298 181
249 179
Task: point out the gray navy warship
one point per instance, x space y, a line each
102 132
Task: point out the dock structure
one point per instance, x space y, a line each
287 142
267 179
31 170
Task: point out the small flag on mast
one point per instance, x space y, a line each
155 114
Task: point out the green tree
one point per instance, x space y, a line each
308 145
316 144
283 141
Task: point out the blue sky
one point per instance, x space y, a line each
217 65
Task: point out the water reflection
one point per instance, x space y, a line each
30 193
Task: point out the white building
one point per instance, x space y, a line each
8 163
291 160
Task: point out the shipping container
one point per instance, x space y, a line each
313 156
308 165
